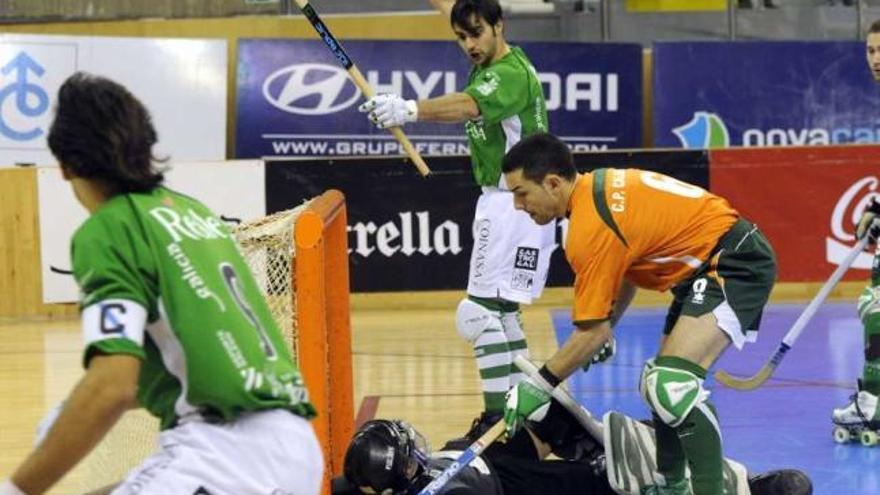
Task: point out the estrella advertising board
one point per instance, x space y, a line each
295 100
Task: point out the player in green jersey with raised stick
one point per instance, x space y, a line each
173 322
502 102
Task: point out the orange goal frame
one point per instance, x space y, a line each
323 327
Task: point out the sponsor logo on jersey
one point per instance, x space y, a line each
526 258
481 246
525 268
845 217
411 233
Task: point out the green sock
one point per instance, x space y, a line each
670 456
493 358
700 438
871 371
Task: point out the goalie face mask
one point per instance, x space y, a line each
385 456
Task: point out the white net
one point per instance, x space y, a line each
267 246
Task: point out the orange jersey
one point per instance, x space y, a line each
642 226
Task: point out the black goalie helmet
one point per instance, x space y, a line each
386 456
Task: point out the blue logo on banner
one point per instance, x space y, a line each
310 89
705 130
31 100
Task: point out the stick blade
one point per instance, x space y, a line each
749 383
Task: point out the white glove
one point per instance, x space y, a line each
7 488
390 110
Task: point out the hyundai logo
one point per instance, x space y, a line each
310 89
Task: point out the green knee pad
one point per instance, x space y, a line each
672 387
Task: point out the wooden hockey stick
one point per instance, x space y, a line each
465 458
359 80
755 381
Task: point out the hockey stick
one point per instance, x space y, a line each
764 373
359 80
591 424
465 458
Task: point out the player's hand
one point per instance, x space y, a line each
390 110
869 224
604 354
528 400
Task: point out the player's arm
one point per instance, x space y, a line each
624 297
583 343
451 108
107 390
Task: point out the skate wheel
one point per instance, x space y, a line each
868 438
841 434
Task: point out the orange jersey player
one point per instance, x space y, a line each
633 229
654 247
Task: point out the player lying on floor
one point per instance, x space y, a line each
391 457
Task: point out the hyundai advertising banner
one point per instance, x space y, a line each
294 99
410 233
806 200
719 94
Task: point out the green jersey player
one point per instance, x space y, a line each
860 419
173 322
502 102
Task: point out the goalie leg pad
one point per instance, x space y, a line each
472 319
671 392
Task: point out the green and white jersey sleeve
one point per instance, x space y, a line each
512 106
162 279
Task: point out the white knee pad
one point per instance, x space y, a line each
671 392
471 320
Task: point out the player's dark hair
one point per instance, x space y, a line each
463 12
385 455
538 155
101 131
875 27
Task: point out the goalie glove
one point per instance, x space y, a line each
390 110
869 224
529 400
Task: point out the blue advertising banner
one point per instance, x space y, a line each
719 94
295 100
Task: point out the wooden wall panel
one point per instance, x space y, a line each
20 280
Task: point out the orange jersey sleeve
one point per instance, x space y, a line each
641 226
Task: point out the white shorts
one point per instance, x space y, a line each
264 453
511 253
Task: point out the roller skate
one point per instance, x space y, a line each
858 421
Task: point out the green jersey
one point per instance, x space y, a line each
162 280
511 103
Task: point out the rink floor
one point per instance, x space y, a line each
784 423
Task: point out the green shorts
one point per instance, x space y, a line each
733 284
